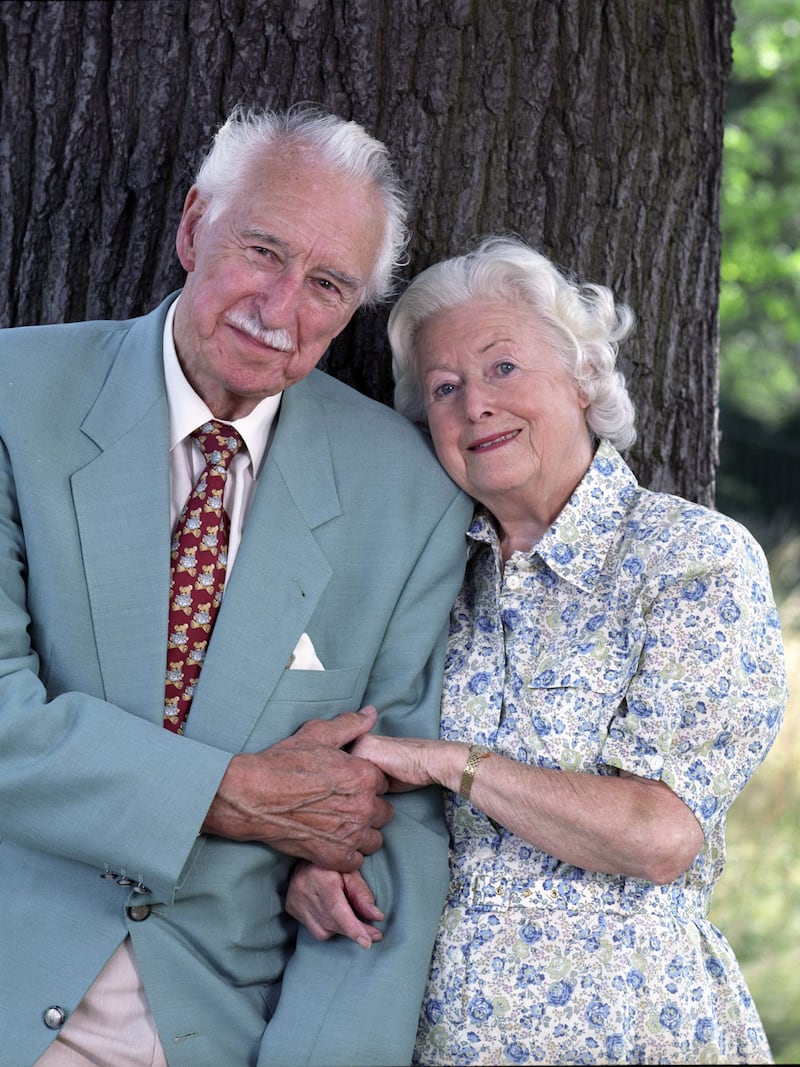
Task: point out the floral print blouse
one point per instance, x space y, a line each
640 634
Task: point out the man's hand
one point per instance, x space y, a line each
328 903
306 797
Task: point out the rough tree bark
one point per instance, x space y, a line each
593 128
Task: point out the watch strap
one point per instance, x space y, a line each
476 754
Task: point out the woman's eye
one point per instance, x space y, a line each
506 367
443 390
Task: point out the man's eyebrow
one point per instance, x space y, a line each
254 234
347 281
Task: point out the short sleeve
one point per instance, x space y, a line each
708 698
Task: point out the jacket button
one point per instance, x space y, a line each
54 1017
138 912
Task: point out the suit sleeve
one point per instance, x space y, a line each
341 1004
81 777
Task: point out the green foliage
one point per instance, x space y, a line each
760 293
757 900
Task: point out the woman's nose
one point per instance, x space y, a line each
477 402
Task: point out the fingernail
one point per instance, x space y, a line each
365 942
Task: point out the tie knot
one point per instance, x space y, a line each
218 442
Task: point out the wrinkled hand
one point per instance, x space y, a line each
306 797
408 762
328 903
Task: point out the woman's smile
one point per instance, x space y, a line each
495 441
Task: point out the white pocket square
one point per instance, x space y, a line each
304 658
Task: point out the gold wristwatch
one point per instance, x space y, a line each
476 754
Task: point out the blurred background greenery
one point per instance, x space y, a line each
757 902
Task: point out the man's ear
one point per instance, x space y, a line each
194 208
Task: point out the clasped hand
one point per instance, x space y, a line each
329 902
306 796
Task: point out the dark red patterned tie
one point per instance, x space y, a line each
199 558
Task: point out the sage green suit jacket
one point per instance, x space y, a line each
356 537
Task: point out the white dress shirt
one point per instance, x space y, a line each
187 411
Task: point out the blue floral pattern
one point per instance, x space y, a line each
639 634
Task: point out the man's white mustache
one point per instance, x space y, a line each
252 324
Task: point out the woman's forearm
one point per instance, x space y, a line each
616 824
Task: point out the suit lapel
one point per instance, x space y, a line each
122 504
279 575
121 501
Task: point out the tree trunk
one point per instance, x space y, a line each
592 128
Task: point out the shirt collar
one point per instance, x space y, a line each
577 543
187 410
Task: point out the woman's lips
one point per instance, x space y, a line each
495 441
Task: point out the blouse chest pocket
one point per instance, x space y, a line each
588 668
570 698
599 655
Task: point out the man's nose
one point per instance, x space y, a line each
279 298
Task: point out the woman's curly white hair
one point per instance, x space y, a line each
583 323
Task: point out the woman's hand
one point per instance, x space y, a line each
328 903
412 762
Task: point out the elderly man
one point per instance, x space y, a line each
166 755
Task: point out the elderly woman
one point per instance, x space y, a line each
615 675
